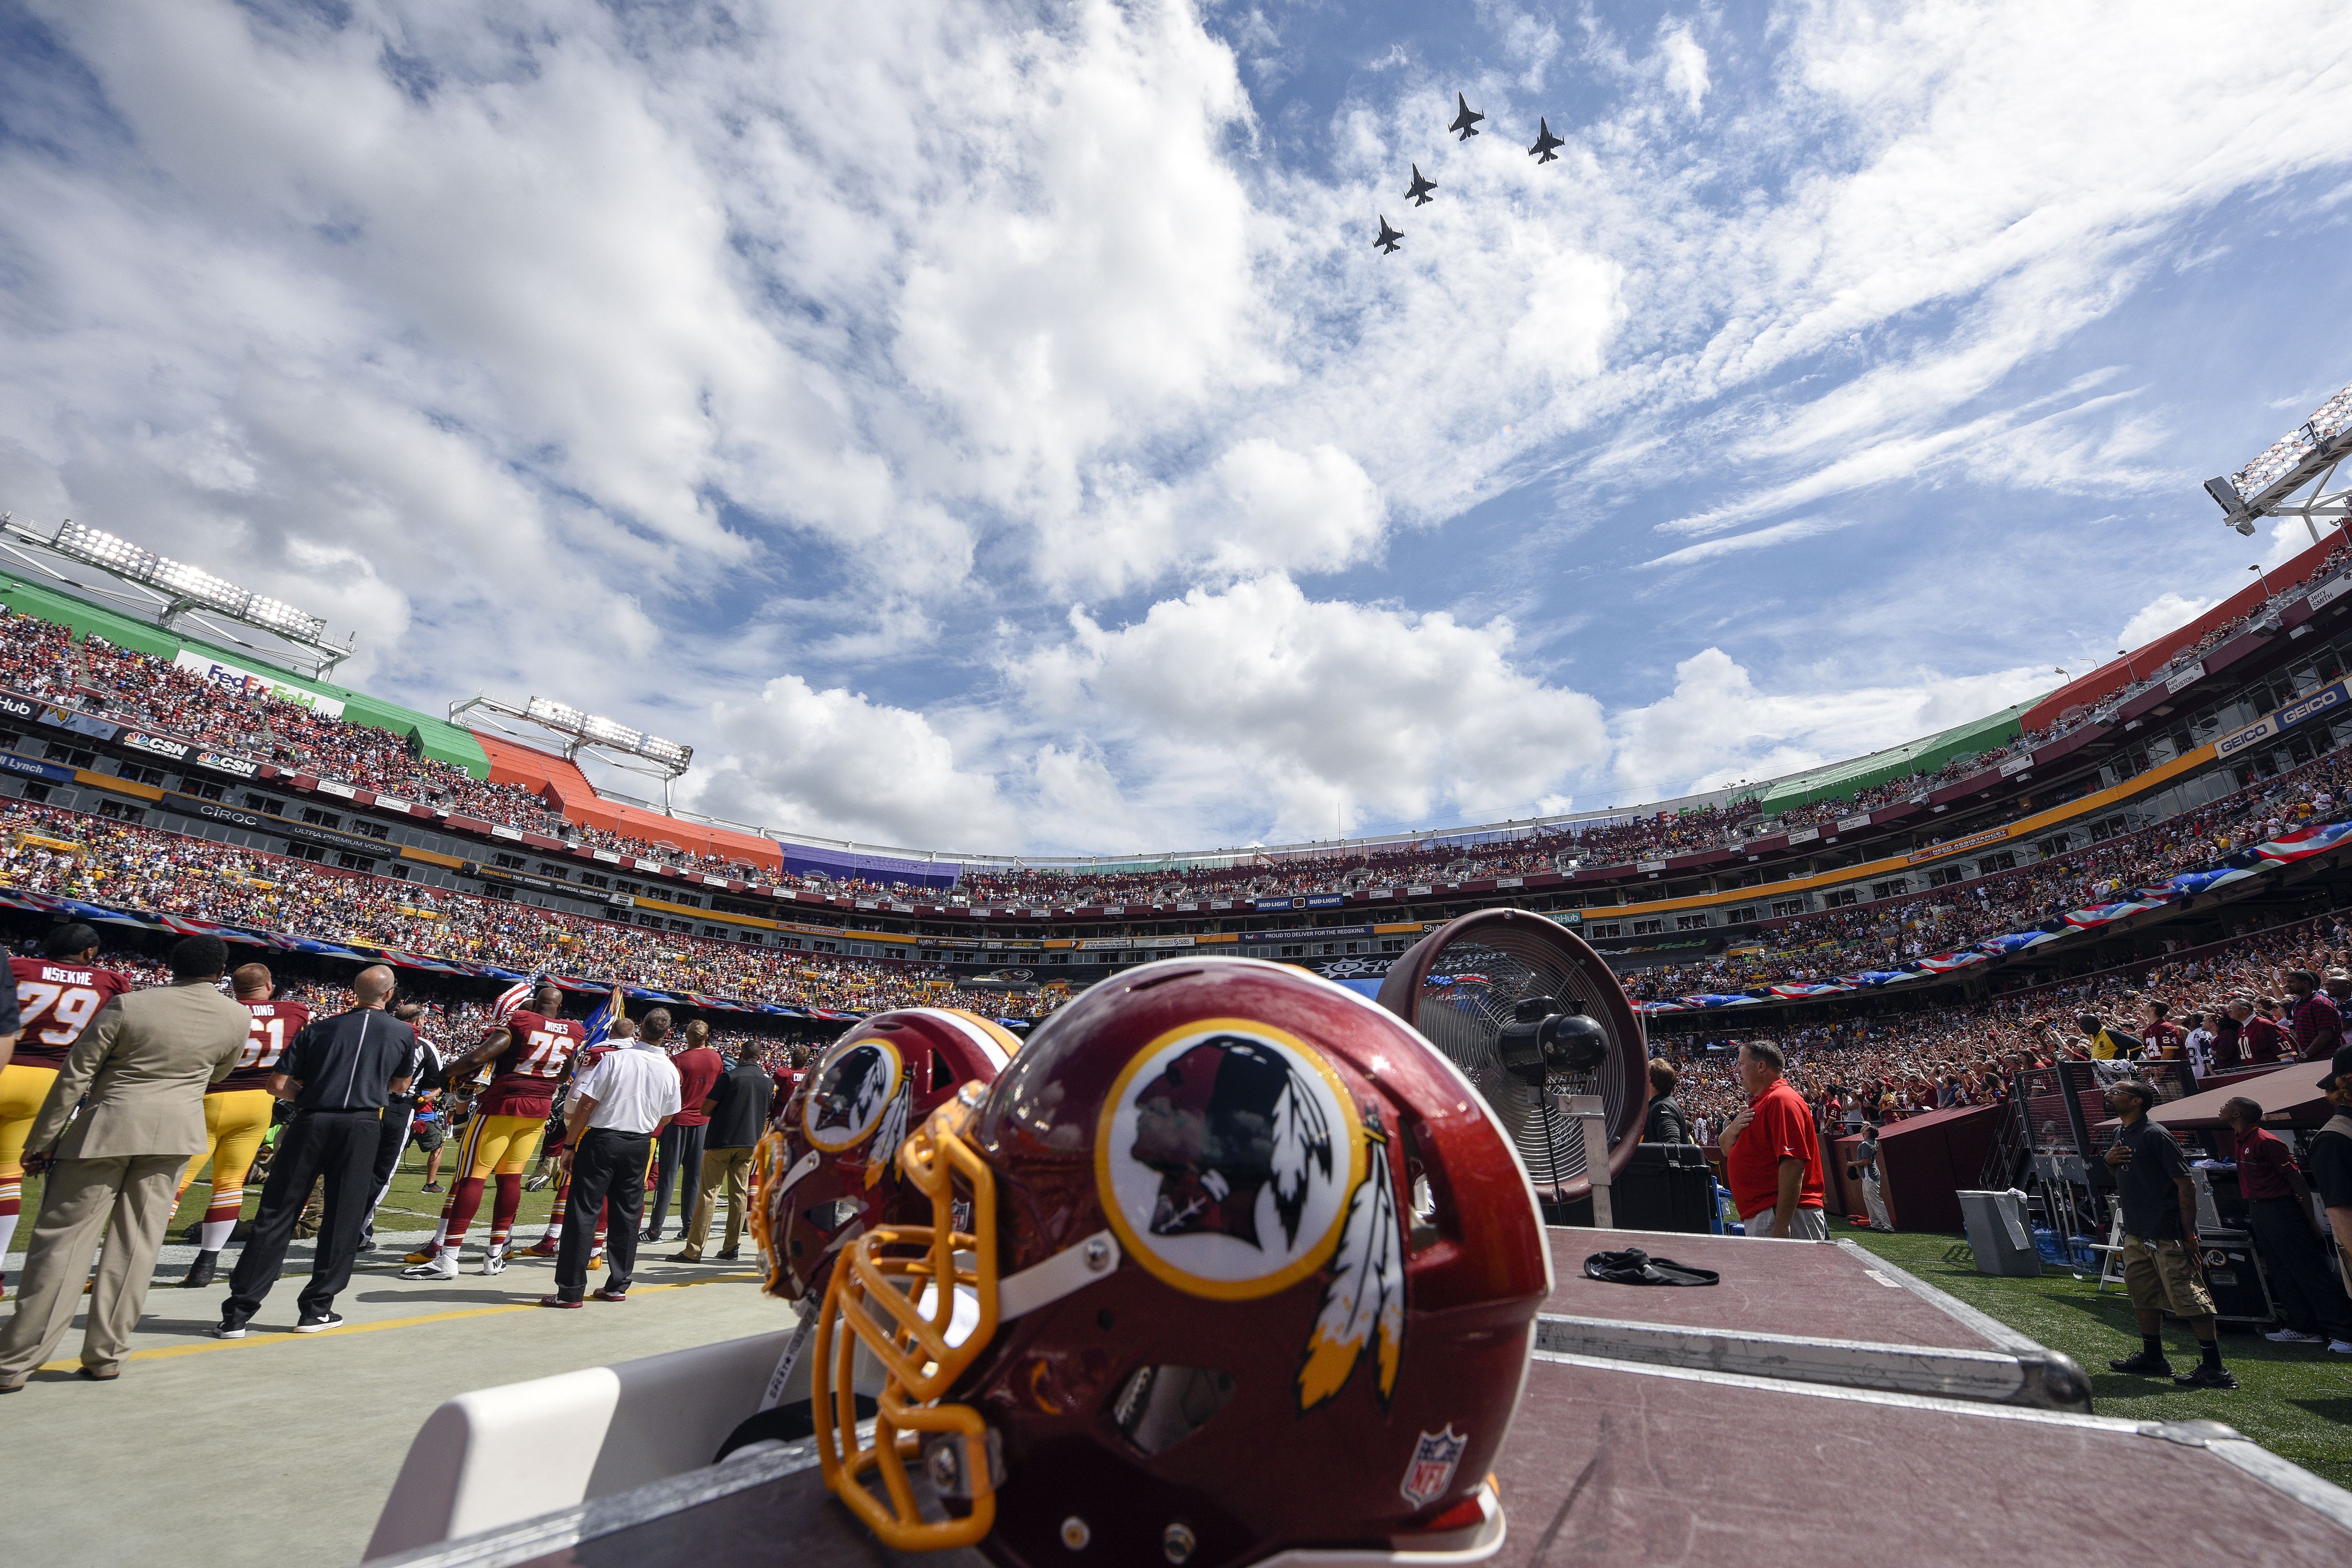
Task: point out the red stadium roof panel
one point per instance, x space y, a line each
557 778
2153 653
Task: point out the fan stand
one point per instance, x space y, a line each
1592 1115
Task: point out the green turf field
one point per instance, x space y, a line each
406 1207
2295 1400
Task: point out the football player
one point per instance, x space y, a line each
236 1114
528 1054
548 1245
57 996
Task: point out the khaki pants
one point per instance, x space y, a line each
131 1200
2160 1275
1809 1224
1873 1198
734 1167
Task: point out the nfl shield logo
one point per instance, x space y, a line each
1432 1470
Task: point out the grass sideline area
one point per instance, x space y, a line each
2294 1399
407 1207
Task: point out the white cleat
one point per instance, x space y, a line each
2292 1337
494 1261
440 1266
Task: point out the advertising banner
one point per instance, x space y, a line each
157 745
247 682
80 723
2327 700
25 767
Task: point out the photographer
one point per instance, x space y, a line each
1872 1176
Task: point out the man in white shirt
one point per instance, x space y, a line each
617 1109
2200 1044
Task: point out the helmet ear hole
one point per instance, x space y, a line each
1158 1406
1430 1216
942 1075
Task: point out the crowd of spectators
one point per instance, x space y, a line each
1891 932
1900 1063
44 659
81 856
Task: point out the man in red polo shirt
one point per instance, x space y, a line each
1770 1154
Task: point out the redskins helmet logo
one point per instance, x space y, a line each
856 1084
1227 1156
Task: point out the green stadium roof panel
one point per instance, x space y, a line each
1924 755
434 738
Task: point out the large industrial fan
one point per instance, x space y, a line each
1530 1015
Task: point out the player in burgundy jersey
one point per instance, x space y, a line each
548 1245
527 1054
236 1114
57 996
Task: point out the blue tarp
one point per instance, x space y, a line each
804 860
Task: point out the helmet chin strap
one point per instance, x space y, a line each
1070 1270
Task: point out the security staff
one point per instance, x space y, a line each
340 1072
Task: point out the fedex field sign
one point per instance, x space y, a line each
245 683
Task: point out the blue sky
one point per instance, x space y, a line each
988 427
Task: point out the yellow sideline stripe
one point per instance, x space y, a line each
169 1352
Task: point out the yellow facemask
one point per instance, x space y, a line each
894 1292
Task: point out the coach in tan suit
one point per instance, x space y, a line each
142 1064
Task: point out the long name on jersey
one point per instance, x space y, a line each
274 1027
55 1002
523 1077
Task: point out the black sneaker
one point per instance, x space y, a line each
318 1322
2207 1377
229 1328
2143 1365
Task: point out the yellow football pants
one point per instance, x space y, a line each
500 1145
235 1120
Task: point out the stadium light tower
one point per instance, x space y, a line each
173 592
2305 457
605 739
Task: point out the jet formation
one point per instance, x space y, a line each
1546 149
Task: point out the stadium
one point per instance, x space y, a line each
1163 1206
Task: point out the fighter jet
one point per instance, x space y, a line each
1467 121
1545 142
1421 188
1389 238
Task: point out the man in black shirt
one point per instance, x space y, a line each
1665 1123
340 1072
738 1109
2331 1159
2161 1263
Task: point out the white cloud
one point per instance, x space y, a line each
836 763
1718 728
1284 709
1760 539
2161 614
1683 64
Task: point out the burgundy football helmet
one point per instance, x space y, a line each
1247 1267
831 1172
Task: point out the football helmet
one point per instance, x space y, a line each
828 1171
1240 1266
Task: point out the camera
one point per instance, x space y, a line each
1540 1040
